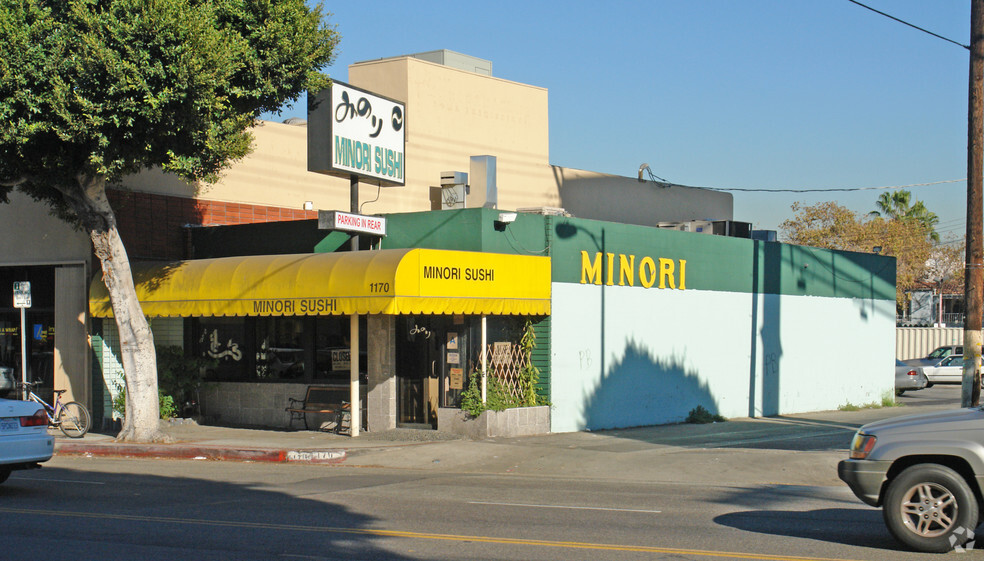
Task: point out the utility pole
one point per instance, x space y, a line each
974 272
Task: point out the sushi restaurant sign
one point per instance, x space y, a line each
354 132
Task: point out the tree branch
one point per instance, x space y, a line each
12 182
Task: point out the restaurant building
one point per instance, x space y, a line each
634 322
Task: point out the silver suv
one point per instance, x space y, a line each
926 472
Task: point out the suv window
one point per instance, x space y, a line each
943 352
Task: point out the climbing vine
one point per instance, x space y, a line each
498 396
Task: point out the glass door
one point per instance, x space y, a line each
417 357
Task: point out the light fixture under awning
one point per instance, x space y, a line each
390 281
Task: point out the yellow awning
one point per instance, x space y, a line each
390 281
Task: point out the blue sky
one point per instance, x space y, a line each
756 94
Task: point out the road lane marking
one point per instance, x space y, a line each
417 535
567 507
45 479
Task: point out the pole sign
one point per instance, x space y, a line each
22 294
337 220
353 132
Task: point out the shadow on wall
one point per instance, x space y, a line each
642 389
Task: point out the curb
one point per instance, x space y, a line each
201 452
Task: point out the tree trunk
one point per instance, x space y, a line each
141 422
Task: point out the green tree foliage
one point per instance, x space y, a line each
93 90
110 87
898 205
832 226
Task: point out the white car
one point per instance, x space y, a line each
950 369
24 438
938 354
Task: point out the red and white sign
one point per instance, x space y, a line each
337 220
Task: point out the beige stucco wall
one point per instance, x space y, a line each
454 114
451 115
274 174
71 360
30 235
599 196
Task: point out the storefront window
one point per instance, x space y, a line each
279 348
332 358
40 320
223 340
276 349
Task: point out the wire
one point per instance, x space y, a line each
653 177
833 190
910 25
364 203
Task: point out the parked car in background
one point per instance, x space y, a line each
24 438
949 369
909 378
938 354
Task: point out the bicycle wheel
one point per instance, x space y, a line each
73 419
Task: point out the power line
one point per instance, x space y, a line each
910 25
832 190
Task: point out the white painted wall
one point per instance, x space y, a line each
660 353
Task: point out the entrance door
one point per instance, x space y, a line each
418 358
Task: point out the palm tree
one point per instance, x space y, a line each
898 206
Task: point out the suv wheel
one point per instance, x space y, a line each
4 473
930 508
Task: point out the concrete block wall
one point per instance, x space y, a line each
519 421
248 404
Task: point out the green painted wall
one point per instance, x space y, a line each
720 263
541 356
466 230
712 262
102 401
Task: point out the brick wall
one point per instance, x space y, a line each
155 226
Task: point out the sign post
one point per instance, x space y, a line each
22 300
356 133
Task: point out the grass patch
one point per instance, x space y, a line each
700 416
887 400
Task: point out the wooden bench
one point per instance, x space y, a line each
319 400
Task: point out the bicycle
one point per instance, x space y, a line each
72 418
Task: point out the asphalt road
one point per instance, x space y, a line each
108 509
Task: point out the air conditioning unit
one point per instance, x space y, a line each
696 226
733 229
452 193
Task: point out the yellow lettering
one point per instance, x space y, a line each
666 272
647 272
626 269
590 271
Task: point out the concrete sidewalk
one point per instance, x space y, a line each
194 441
790 450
